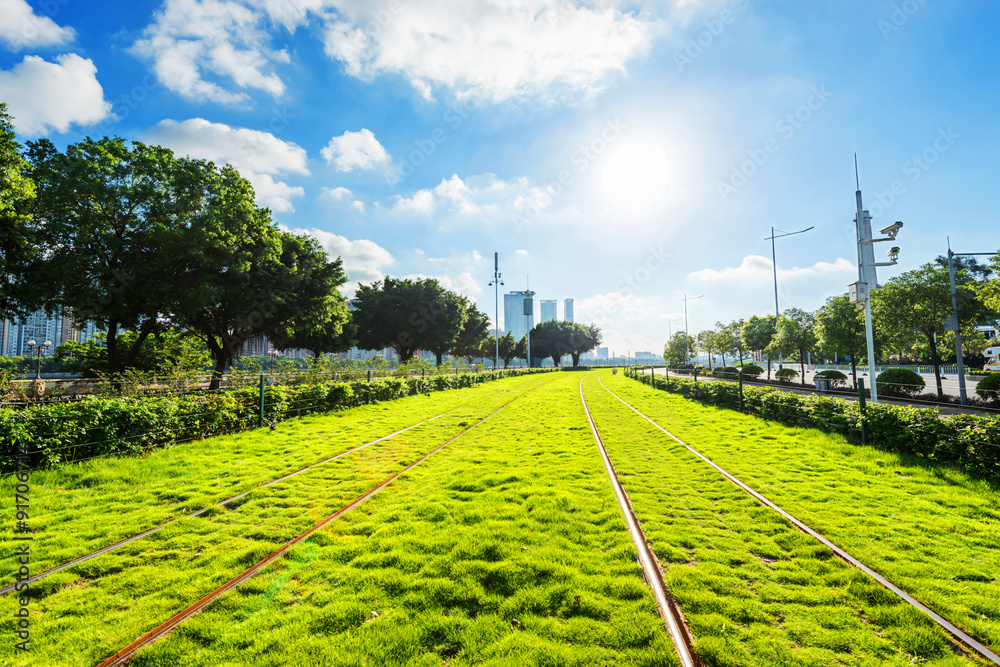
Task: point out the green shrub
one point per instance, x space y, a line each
726 372
899 382
972 441
837 379
988 388
786 375
752 371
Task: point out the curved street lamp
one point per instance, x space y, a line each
495 284
774 267
38 350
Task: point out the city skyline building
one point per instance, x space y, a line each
515 322
548 310
568 314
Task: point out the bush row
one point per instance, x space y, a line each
971 441
95 426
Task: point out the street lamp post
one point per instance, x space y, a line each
774 268
495 284
687 336
38 350
952 324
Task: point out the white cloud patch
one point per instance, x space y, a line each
258 156
43 96
364 260
492 50
759 269
456 191
421 202
521 253
22 28
342 194
355 150
190 40
461 283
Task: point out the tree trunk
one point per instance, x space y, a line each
440 358
802 365
769 369
506 363
854 370
576 359
741 359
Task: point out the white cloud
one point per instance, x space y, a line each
258 156
336 194
421 202
44 96
758 269
355 150
492 50
458 193
521 254
364 260
21 28
191 39
461 283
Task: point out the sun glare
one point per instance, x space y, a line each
634 177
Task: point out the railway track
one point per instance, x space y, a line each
123 655
967 642
228 501
676 625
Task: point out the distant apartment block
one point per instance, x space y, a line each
549 310
568 310
40 327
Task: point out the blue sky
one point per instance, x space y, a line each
620 153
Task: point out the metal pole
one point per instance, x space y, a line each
864 412
862 254
777 312
687 339
958 334
496 305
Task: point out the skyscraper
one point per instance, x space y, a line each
568 310
515 322
549 310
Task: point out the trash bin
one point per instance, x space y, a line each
822 384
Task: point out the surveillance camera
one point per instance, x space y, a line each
892 229
893 253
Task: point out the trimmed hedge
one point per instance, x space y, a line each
786 375
970 441
899 382
94 426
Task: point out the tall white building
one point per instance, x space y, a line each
568 310
515 322
549 310
38 327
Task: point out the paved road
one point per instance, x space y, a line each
950 386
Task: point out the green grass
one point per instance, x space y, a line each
86 613
930 529
76 509
513 521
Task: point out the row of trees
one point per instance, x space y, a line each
909 314
147 244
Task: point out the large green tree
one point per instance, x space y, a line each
706 341
728 339
474 340
108 222
757 334
508 349
17 191
239 275
840 329
919 302
797 333
317 319
557 339
989 290
408 315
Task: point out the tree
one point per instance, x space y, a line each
840 329
521 349
757 334
707 344
17 191
920 301
989 290
729 340
508 349
164 352
239 275
107 222
798 333
408 315
675 350
318 319
557 339
474 340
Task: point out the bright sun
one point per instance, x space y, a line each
634 177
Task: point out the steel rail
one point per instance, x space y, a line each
164 628
676 625
956 633
146 533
